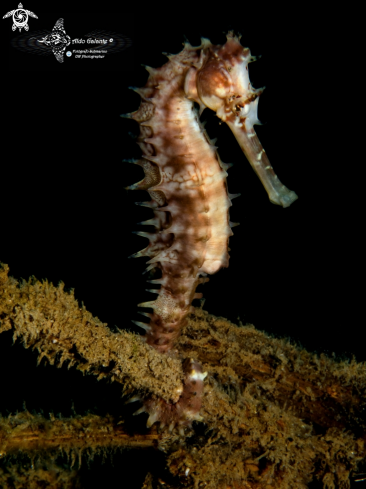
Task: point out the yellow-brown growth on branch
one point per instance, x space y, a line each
275 415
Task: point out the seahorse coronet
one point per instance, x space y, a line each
186 181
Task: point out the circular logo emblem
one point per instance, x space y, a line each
20 17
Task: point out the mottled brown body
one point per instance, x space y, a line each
189 197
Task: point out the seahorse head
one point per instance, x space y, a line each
220 81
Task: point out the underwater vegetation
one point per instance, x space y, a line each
274 415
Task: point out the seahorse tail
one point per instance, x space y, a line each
186 410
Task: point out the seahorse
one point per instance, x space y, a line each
186 181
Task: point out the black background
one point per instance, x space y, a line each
65 216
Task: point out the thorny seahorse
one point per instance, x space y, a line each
186 181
